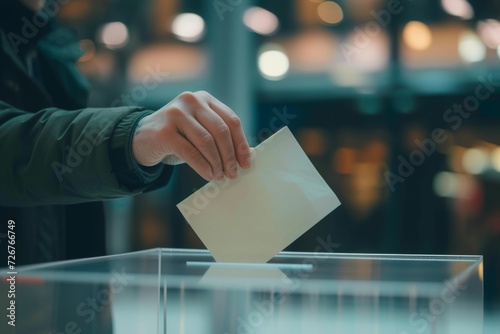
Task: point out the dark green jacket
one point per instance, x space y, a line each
56 153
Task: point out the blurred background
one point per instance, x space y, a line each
397 104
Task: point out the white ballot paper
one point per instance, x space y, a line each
255 216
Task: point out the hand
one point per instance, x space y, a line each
197 129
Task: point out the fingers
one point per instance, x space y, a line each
204 142
203 132
240 144
187 152
222 136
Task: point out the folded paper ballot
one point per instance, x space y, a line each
255 216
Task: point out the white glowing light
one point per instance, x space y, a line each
446 184
260 21
475 161
471 48
460 8
188 27
495 159
114 35
273 62
489 30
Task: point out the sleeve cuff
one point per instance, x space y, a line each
129 172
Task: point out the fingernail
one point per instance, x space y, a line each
248 162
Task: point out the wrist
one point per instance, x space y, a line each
127 168
138 141
142 142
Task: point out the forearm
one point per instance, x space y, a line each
60 157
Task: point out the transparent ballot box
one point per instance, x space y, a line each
185 291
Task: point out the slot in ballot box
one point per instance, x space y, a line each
185 291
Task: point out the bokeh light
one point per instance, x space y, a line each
188 27
344 160
446 184
273 62
471 48
88 47
417 35
459 8
114 35
313 141
372 56
312 51
495 159
489 30
260 21
475 161
330 12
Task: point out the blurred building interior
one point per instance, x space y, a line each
397 104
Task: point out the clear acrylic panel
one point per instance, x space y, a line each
185 291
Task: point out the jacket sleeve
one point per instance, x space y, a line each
58 156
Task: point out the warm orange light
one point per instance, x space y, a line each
313 141
312 50
89 48
344 160
480 271
417 35
330 12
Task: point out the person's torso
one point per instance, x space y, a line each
47 76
